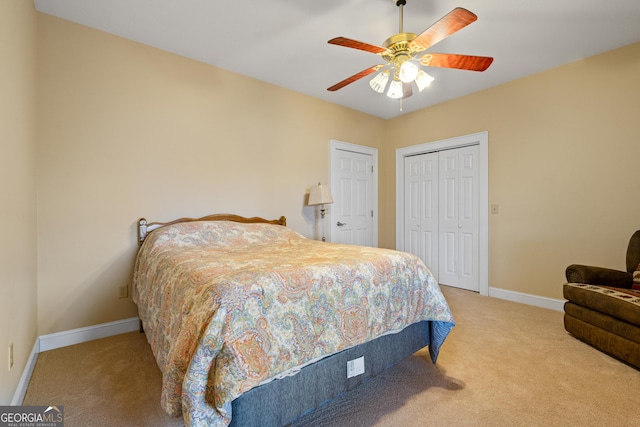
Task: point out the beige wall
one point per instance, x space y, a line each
18 306
125 130
128 131
563 167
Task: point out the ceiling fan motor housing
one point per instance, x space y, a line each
400 49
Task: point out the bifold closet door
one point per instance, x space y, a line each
458 218
421 208
441 223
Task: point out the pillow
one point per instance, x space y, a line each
221 234
636 278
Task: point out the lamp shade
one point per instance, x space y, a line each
379 82
408 72
395 90
423 80
320 195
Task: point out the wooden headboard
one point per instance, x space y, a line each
145 228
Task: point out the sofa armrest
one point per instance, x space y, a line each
598 276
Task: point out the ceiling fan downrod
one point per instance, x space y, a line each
400 4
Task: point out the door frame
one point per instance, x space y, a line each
482 140
334 147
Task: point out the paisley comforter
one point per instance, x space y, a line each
227 306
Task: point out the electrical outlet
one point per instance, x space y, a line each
10 356
355 367
123 291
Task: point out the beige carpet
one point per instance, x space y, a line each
504 364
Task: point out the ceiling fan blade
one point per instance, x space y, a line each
454 21
461 62
343 41
355 77
407 91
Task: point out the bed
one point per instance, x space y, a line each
253 324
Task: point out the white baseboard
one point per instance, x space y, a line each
65 338
535 300
80 335
21 390
89 333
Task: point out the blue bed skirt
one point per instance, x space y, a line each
282 401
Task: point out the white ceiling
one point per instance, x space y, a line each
284 42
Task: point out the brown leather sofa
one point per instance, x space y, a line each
603 306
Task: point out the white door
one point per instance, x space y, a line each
421 208
352 188
459 222
474 267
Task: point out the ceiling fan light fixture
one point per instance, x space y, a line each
408 72
395 90
423 80
379 82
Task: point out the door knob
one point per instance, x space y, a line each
341 224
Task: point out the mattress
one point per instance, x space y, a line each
227 307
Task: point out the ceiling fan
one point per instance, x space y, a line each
403 50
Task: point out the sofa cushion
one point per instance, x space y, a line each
603 321
603 340
620 303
